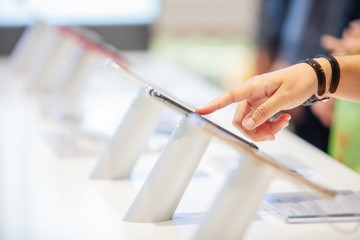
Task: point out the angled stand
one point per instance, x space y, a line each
28 46
83 61
53 66
44 56
69 69
125 147
237 202
164 187
66 86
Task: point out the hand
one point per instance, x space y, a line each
349 43
262 96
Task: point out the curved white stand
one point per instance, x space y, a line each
43 57
62 78
66 86
165 185
129 140
29 44
53 66
237 202
73 82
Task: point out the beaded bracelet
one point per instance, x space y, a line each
335 69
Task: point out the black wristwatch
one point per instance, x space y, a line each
313 99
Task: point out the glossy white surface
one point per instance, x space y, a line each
46 194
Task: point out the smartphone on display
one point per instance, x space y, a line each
185 111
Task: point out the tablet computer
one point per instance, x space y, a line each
216 130
170 102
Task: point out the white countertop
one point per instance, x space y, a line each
47 195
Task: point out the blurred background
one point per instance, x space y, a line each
211 37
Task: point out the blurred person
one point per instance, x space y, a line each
291 30
349 43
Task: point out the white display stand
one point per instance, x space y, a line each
69 71
126 145
50 46
240 197
165 185
54 65
238 201
27 48
62 93
83 62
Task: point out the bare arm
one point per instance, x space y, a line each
349 86
263 96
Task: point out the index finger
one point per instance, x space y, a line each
234 95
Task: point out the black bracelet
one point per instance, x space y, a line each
335 72
319 73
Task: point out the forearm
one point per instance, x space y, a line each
264 95
349 85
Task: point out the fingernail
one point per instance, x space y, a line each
249 123
270 138
198 109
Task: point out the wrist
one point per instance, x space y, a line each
321 73
331 70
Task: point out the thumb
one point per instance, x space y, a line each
263 112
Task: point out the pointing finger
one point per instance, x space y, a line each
234 95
